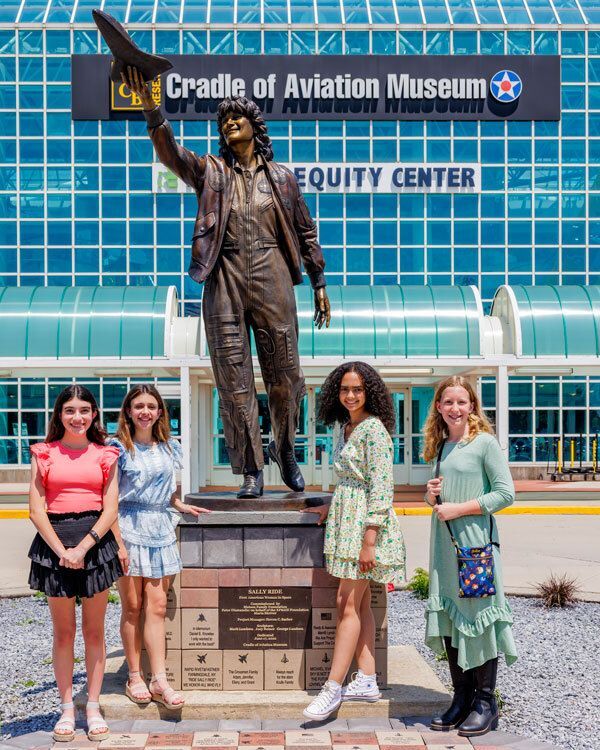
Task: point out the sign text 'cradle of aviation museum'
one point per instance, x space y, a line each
311 87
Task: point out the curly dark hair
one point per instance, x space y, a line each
246 107
378 397
95 432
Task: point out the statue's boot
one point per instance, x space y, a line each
288 466
252 486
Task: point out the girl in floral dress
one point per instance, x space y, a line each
363 541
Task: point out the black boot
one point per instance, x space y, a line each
484 710
253 485
288 466
462 681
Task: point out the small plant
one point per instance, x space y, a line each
28 683
78 659
47 661
499 700
26 621
113 597
442 657
419 583
558 591
41 595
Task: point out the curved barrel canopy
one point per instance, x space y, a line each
542 321
393 321
86 322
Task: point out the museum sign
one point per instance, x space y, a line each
360 87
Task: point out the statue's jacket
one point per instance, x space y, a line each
212 179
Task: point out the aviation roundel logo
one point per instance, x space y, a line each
506 86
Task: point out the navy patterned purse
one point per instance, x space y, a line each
475 564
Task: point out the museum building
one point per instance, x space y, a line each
457 238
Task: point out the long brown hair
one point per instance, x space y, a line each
435 429
161 430
56 430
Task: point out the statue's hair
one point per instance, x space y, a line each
246 107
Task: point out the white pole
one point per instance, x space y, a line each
186 429
502 408
325 471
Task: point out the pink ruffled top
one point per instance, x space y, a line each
74 479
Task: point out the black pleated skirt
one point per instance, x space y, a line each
101 564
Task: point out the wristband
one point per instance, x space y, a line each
94 536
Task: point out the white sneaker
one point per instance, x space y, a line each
326 703
362 688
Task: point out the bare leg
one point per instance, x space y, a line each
132 597
365 649
62 611
155 610
347 633
92 617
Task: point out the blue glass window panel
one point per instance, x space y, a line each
7 40
357 150
168 232
385 150
57 41
466 260
114 178
465 205
114 128
141 259
331 151
492 259
358 260
58 68
383 42
8 206
435 12
384 128
58 123
594 201
572 70
438 151
8 97
8 68
492 178
85 42
357 206
410 42
572 42
411 233
195 42
32 178
439 259
492 233
59 233
541 11
58 151
546 259
568 12
334 258
491 42
464 42
331 206
86 206
515 12
355 11
519 178
59 97
330 43
574 231
461 12
412 130
302 11
113 151
384 233
140 151
168 259
275 42
86 178
326 130
328 11
114 259
31 68
31 97
411 206
492 206
311 202
573 124
492 129
519 151
304 151
411 151
573 97
303 42
31 41
114 206
438 42
573 259
573 178
573 151
357 129
31 123
492 151
8 260
31 151
140 12
546 232
465 232
357 43
358 233
546 151
385 206
593 124
114 233
87 280
519 232
32 233
167 42
546 205
139 233
86 151
546 178
412 260
439 206
194 11
594 152
545 43
248 43
385 260
593 43
594 261
8 233
59 205
8 151
331 232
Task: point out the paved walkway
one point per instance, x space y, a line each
277 734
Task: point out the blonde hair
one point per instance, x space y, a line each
435 429
161 430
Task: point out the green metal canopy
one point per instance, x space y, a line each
85 322
398 321
550 320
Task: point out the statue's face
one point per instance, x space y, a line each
236 129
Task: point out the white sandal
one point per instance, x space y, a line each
137 692
96 722
166 695
65 722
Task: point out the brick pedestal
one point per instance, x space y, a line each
254 608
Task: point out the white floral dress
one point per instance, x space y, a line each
363 497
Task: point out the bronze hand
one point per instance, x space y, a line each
322 308
135 83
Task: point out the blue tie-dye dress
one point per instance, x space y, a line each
146 518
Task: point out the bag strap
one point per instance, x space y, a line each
439 502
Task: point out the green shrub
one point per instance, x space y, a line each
419 583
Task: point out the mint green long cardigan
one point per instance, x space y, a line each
480 628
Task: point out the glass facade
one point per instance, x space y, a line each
76 200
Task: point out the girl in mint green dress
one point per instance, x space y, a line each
474 482
363 541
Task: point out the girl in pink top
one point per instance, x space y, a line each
73 499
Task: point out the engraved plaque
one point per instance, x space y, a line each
172 667
284 670
399 739
200 628
309 738
324 622
215 739
261 739
202 670
243 670
160 739
265 617
173 628
318 664
126 740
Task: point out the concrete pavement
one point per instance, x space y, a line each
533 547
